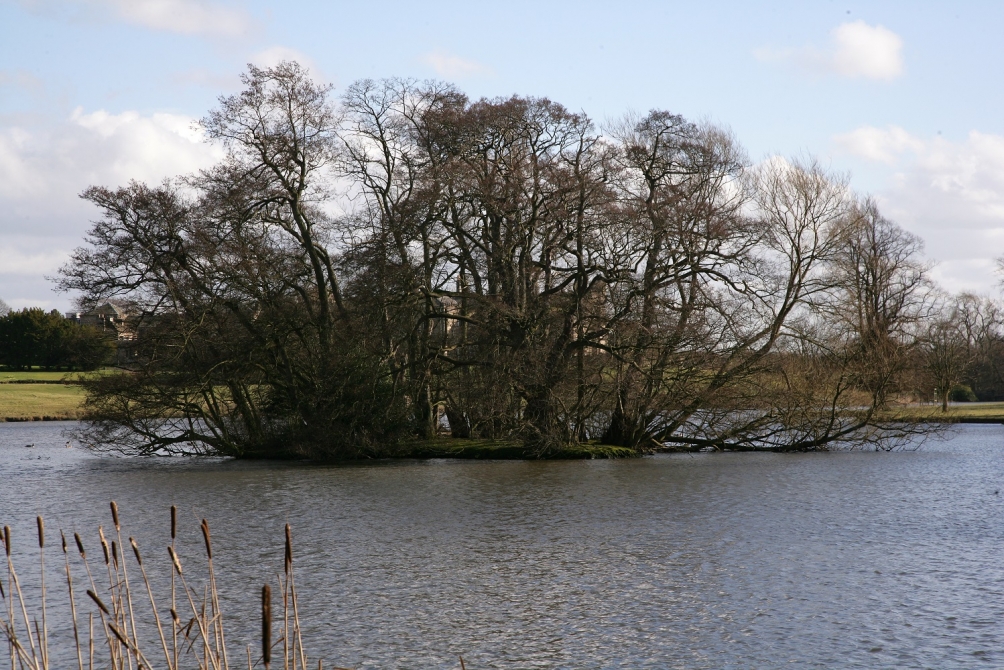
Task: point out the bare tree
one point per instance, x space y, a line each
880 296
981 320
948 352
527 178
246 345
682 195
347 273
401 255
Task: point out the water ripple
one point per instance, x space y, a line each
710 561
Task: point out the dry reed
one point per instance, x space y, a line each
198 641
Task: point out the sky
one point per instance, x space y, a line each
905 98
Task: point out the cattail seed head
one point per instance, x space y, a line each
80 546
174 615
205 536
41 532
104 544
115 554
115 514
118 634
174 521
6 539
174 559
97 601
135 550
62 539
289 549
266 624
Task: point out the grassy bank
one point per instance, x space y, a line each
504 449
35 402
49 376
965 412
36 395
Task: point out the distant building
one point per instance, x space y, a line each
106 317
443 325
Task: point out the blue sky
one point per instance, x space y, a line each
907 97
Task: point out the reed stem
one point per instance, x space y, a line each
43 636
266 626
73 604
13 581
131 621
153 605
174 604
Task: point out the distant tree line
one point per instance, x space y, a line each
32 337
363 271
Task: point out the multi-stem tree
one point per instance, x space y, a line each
349 271
245 346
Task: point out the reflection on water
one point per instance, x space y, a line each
704 561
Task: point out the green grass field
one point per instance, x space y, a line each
962 411
52 397
52 377
36 401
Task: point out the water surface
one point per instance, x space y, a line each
703 561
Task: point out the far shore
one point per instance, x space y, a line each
54 396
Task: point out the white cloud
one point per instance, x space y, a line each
188 17
15 176
115 148
872 52
96 147
18 261
877 144
951 193
856 50
454 67
42 171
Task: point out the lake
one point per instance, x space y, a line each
856 559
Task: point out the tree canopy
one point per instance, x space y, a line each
361 271
32 337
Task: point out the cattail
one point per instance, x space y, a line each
289 549
135 550
97 601
174 559
41 532
118 634
115 554
266 625
6 539
62 539
205 536
174 615
174 522
80 545
115 514
104 543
